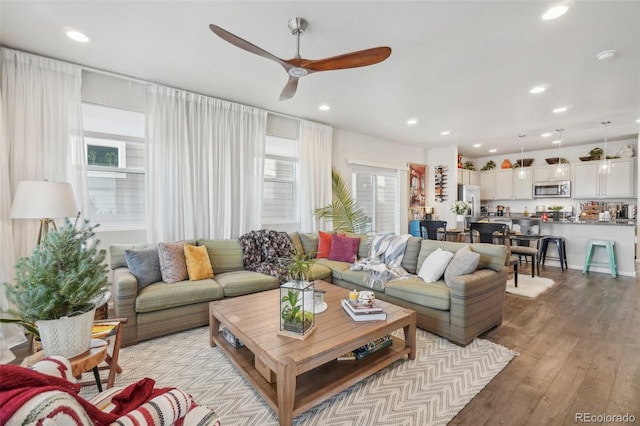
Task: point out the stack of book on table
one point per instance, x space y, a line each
368 349
363 312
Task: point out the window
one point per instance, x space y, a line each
376 192
114 140
280 201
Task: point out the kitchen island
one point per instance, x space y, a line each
576 235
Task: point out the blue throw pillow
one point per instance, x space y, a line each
144 265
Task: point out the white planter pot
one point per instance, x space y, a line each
68 336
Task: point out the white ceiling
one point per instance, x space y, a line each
463 66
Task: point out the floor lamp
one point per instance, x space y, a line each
45 201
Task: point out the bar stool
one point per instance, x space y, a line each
561 247
608 244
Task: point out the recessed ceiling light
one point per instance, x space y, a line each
477 145
560 109
412 121
555 12
537 89
607 55
77 36
324 107
638 120
445 132
492 150
557 141
545 135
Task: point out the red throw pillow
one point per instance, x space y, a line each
324 245
344 249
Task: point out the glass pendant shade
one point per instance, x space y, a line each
561 170
605 164
522 173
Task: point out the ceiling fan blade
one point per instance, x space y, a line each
360 58
289 89
245 45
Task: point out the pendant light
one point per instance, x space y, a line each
522 173
561 170
605 163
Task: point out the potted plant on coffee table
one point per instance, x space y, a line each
57 287
297 317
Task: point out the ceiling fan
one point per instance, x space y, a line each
298 67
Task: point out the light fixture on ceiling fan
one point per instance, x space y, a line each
605 164
298 67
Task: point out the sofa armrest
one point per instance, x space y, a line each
477 301
125 292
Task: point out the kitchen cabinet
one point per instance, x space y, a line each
488 185
505 184
468 177
620 183
550 173
522 189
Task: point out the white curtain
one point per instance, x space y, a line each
41 138
204 166
315 177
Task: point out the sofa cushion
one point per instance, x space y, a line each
336 267
410 259
238 283
434 295
324 245
355 277
159 296
173 265
310 243
344 249
297 242
464 262
144 265
492 256
198 263
320 272
225 255
116 253
434 265
363 247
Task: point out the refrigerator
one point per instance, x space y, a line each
470 194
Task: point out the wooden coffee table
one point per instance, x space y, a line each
306 371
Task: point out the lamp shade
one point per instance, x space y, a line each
43 200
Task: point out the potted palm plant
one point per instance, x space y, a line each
344 212
57 287
296 298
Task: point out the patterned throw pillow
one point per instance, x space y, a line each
344 249
173 265
144 265
324 245
198 262
464 262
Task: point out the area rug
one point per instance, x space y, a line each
529 286
430 390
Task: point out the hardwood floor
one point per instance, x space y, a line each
579 346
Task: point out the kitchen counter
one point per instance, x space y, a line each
617 222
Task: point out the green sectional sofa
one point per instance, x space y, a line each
472 304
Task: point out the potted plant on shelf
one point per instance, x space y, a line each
596 153
556 212
57 288
297 297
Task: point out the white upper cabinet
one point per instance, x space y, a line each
551 172
468 177
620 183
505 184
522 184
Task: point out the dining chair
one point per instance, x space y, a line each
491 233
430 227
523 248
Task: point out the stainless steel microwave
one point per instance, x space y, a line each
560 189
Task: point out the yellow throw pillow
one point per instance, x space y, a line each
198 263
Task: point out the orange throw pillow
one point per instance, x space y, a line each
198 262
324 245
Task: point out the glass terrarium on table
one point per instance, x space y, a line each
297 315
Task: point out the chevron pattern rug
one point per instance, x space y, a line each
430 390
